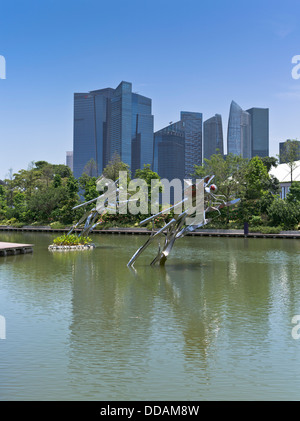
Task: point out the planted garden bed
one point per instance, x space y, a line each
71 242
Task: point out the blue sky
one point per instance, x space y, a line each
193 56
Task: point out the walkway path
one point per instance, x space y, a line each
15 248
143 231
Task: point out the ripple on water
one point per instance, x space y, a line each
215 323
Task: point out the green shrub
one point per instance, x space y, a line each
36 223
57 225
256 220
18 224
11 221
284 213
265 229
71 240
271 230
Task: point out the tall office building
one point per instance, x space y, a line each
69 159
112 121
188 127
142 132
170 152
192 125
213 136
91 130
239 132
259 131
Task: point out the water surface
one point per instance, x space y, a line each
214 324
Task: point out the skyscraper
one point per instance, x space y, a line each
69 159
192 125
189 127
142 132
170 154
91 134
213 136
112 121
239 132
259 131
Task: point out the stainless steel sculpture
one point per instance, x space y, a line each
187 221
94 216
199 199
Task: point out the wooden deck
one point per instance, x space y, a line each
15 248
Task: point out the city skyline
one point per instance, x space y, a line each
225 129
110 122
45 67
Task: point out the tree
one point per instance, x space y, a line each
19 208
57 181
90 168
269 162
27 181
66 212
229 175
44 192
294 193
41 164
257 178
284 213
88 185
148 175
44 202
3 204
62 170
112 170
47 173
290 154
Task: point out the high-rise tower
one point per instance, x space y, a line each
112 121
259 131
189 127
213 136
239 132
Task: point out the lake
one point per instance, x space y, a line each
214 324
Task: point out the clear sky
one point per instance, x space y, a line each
190 55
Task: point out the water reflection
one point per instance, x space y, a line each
209 304
214 323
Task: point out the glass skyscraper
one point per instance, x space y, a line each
69 159
192 125
141 132
169 154
213 136
239 132
259 131
112 121
91 134
189 128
